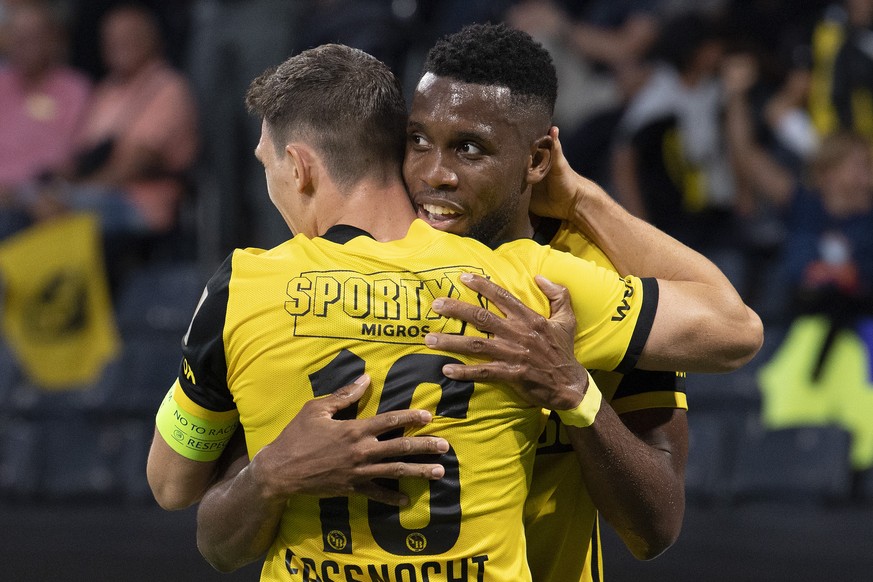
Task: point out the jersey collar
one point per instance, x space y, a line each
343 233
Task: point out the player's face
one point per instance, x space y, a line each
467 160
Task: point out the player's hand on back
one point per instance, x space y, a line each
533 354
556 195
316 454
563 192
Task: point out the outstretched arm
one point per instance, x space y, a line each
692 286
315 455
633 466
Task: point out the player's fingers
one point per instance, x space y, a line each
494 371
400 469
559 301
343 397
382 494
508 303
386 421
480 318
405 446
491 348
558 159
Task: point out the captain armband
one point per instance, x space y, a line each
191 435
583 415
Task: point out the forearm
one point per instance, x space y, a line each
752 163
638 488
614 46
733 332
129 164
237 521
176 482
635 246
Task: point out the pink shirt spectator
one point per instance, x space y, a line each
154 110
38 124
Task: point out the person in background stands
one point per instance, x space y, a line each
42 104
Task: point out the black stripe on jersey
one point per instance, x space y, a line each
642 381
204 350
343 233
643 328
596 574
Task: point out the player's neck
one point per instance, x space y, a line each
383 210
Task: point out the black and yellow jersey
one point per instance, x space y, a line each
277 328
561 525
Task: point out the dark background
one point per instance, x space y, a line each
772 542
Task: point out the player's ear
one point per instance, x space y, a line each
541 159
302 161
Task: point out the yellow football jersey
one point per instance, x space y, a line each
277 328
561 525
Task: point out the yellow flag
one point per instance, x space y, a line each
57 312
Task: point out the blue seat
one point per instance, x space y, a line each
712 442
21 459
138 380
10 373
80 459
159 298
804 464
135 438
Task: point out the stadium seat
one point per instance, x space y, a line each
136 437
712 439
21 459
10 374
159 298
81 456
864 485
735 391
804 464
136 382
31 401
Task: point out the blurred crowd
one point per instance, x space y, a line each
741 127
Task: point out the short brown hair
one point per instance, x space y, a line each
345 102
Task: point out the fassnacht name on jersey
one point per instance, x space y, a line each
468 569
385 306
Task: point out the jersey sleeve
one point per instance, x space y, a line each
639 389
566 237
203 371
614 314
643 389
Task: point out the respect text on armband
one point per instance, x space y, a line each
467 569
385 306
200 438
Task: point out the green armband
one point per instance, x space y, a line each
584 414
191 435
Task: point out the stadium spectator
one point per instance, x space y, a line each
139 137
134 148
6 9
587 40
42 103
841 69
672 130
819 372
